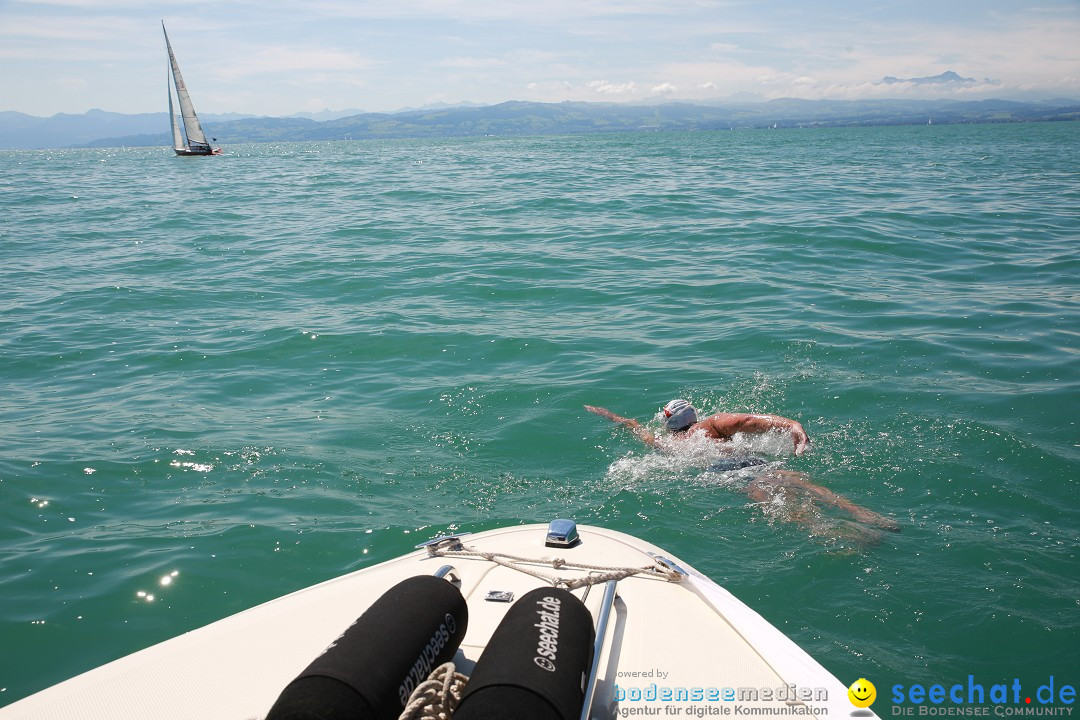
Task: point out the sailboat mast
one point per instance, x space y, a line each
195 134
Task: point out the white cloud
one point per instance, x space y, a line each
75 31
315 62
567 13
606 88
664 89
553 88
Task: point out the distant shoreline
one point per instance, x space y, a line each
97 128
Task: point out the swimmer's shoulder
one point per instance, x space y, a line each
712 426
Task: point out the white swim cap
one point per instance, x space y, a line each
679 415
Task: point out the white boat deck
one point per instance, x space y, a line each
690 642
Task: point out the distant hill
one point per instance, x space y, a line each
946 78
99 129
21 132
324 115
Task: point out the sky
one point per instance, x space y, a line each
279 57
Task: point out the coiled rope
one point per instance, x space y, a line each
437 697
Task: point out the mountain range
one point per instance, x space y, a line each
98 128
946 78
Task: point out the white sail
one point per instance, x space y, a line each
178 138
195 135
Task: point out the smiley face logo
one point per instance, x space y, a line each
862 693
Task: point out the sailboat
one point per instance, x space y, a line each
195 141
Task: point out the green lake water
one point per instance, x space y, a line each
255 372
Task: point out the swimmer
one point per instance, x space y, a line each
681 419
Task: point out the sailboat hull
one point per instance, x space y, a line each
197 152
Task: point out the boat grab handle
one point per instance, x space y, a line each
601 631
450 573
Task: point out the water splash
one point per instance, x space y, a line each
781 496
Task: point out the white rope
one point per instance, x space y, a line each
437 697
606 572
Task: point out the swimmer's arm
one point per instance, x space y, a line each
629 423
727 424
